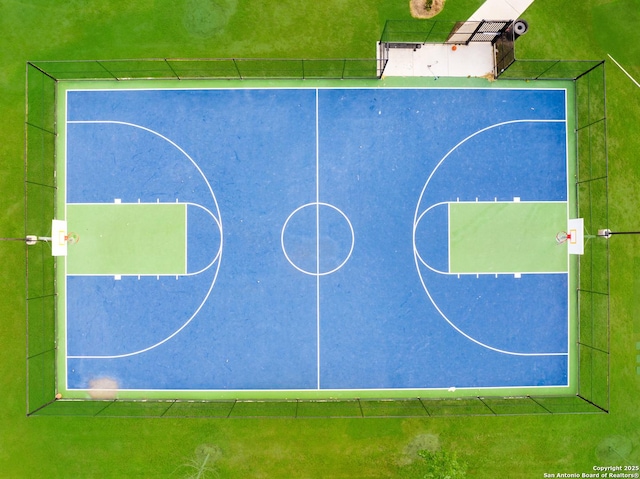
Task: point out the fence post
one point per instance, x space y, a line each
107 70
237 69
171 68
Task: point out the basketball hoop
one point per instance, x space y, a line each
72 238
562 237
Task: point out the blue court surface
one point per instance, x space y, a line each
311 253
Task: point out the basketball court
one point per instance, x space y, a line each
315 241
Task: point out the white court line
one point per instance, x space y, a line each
482 130
219 256
570 332
66 277
317 240
186 240
625 71
418 260
304 390
186 205
480 343
254 88
416 251
317 204
317 225
448 239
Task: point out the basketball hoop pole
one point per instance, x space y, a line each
30 239
607 233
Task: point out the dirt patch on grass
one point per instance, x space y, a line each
421 442
614 449
208 452
206 18
425 8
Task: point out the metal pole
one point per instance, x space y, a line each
608 233
30 239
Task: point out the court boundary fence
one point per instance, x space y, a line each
327 408
41 290
592 173
213 68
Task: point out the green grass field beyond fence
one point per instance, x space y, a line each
112 447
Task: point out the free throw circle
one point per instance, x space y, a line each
317 239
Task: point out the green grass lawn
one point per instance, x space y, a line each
511 447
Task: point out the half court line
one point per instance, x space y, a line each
317 242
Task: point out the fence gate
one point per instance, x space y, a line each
482 31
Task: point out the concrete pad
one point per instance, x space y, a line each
475 59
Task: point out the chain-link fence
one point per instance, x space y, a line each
298 409
40 194
213 68
40 189
592 183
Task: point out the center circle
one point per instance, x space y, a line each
317 239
